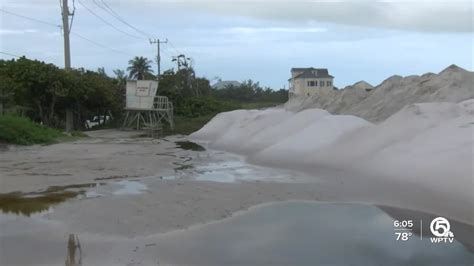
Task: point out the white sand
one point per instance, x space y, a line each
453 84
426 147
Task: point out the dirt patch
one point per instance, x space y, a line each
188 145
112 177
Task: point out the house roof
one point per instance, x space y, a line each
312 72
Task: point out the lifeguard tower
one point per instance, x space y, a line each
144 109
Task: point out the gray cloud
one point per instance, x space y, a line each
16 32
414 15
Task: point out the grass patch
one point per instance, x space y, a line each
72 136
23 131
78 134
19 203
185 125
259 105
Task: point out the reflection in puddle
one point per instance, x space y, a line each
305 233
286 233
130 188
73 245
19 203
38 201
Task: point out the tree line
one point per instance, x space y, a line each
43 91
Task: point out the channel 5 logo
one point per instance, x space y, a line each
441 229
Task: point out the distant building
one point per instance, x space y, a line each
306 81
225 83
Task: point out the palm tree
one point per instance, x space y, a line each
140 68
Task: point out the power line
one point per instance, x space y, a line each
106 22
118 17
99 44
174 47
73 33
103 5
14 55
168 53
30 18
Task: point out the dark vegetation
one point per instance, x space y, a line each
188 145
21 130
41 93
251 92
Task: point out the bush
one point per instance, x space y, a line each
202 106
23 131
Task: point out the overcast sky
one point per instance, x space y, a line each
253 39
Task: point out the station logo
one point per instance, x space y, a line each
441 229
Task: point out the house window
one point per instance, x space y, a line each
311 83
321 83
329 83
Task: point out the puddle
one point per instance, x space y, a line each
92 194
188 145
130 188
233 171
19 203
170 177
216 177
306 233
38 201
285 233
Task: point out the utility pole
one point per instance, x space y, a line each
67 51
158 57
67 55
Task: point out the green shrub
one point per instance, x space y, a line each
23 131
201 106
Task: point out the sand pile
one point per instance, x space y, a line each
453 84
428 146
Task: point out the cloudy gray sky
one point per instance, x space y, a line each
257 39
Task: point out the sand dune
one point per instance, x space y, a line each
453 84
423 146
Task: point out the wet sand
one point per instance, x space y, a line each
138 186
145 187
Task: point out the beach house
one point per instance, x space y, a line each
306 81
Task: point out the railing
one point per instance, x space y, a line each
162 103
